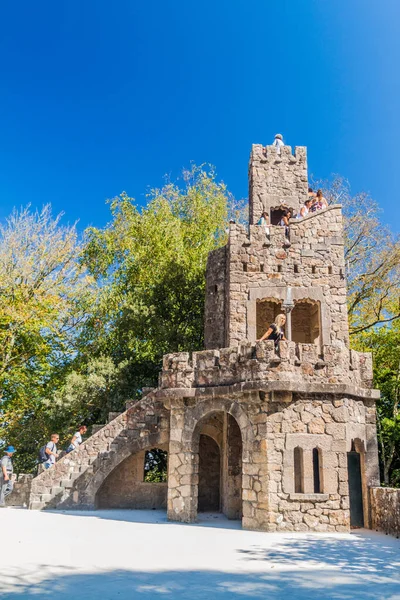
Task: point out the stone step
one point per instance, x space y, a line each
56 490
45 498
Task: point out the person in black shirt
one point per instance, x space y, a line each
275 331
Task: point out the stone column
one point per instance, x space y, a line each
183 469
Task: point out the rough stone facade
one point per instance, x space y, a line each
385 510
21 490
261 433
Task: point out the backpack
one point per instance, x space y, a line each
42 456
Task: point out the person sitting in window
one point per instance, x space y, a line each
263 221
275 331
284 222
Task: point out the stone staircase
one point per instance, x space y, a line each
75 479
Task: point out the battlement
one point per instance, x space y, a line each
269 154
259 362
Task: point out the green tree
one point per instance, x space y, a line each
151 264
45 293
385 344
372 254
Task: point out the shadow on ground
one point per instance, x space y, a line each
297 568
151 517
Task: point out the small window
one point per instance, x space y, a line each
215 289
298 471
330 270
262 267
279 268
313 269
316 470
245 267
296 268
155 466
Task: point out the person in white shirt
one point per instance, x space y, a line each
305 209
77 438
278 142
51 451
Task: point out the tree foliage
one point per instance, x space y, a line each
151 263
44 298
385 344
372 254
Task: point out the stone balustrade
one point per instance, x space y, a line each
260 362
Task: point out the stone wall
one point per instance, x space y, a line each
125 487
215 302
276 178
21 490
385 510
260 363
331 427
75 479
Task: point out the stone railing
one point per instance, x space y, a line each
260 362
385 510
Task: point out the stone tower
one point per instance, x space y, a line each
250 279
282 438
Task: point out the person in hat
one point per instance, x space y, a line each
6 471
278 142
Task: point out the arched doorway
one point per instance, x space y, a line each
209 475
218 439
355 463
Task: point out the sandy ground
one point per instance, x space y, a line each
120 555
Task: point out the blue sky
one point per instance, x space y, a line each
99 97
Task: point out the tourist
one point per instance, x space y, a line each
263 222
311 193
77 438
284 222
320 202
6 484
305 209
51 451
275 331
278 142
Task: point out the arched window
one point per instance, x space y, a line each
317 464
267 310
306 322
298 471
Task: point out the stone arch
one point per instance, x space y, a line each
125 486
267 309
203 409
306 321
184 458
114 460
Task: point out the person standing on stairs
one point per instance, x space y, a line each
51 451
6 471
77 438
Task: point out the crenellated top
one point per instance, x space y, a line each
294 364
270 154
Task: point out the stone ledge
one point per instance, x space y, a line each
338 389
309 497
